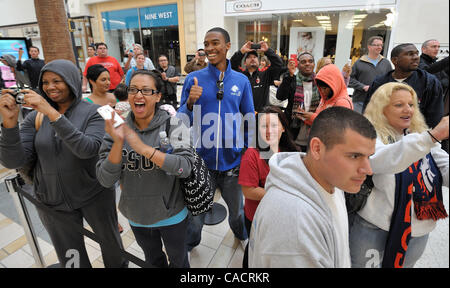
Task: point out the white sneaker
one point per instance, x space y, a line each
244 243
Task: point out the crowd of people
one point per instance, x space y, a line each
294 166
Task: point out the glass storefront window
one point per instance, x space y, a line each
318 32
154 27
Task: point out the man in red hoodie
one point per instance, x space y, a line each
332 90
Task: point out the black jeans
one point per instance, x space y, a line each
248 226
149 239
231 192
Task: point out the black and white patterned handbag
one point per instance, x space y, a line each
198 187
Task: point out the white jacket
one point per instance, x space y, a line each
391 159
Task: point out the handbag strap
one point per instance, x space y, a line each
38 120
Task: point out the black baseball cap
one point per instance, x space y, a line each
253 52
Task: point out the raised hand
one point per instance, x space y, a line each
291 67
440 132
264 46
194 94
247 47
117 134
9 109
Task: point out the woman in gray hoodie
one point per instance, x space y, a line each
151 196
65 148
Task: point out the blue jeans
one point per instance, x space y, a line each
358 106
367 243
227 181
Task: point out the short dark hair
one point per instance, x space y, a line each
222 31
154 74
33 47
100 44
121 92
305 53
399 49
94 71
163 55
330 125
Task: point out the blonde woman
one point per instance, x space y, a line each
323 62
409 170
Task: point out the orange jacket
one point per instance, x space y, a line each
331 75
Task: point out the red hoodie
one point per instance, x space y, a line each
331 75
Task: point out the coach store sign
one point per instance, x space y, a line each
240 7
243 6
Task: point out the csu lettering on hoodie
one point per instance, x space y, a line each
133 161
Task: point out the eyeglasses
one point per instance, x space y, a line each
219 94
144 91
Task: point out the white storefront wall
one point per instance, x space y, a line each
414 20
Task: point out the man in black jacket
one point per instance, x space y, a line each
32 66
260 80
430 50
405 58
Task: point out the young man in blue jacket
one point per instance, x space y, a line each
217 102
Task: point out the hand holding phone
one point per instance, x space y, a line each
106 110
255 46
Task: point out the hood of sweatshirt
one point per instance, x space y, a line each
70 74
288 173
10 59
331 75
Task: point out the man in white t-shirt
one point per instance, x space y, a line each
302 220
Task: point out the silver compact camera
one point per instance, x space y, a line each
18 95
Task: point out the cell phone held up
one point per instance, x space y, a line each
106 110
255 46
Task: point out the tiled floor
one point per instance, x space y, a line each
219 247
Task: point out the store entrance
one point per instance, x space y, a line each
162 40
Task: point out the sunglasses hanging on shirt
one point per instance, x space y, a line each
219 85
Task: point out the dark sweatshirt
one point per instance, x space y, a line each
33 67
67 149
149 194
428 89
363 73
260 80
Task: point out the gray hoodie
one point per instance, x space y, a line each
293 226
149 194
67 149
21 77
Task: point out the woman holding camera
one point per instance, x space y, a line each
64 148
409 170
